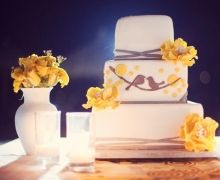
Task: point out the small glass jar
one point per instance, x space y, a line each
80 142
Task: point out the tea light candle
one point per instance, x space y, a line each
48 150
80 151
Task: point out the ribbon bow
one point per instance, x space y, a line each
148 55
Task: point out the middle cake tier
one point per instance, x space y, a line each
147 80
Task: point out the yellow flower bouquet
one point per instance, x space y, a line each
39 71
198 133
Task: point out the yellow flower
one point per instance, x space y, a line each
198 133
16 85
28 62
52 76
179 51
39 71
18 74
110 94
42 70
33 78
45 60
62 77
101 98
93 95
26 83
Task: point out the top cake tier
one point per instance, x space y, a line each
142 33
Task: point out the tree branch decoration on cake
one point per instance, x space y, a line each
198 133
101 98
140 79
39 71
179 51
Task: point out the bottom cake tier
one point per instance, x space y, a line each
142 122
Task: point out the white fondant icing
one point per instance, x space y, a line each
141 33
144 121
150 121
160 71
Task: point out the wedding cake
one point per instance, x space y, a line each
152 91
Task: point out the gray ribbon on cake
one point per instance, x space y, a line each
136 55
182 100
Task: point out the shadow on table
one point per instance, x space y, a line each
28 167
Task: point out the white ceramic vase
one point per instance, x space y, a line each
35 99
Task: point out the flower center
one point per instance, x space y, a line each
181 50
97 95
200 132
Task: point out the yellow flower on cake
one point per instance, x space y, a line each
198 133
39 71
179 51
101 98
110 94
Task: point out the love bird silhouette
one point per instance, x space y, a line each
152 84
140 79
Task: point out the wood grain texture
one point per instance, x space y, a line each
25 168
14 165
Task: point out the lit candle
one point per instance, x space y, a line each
47 150
80 151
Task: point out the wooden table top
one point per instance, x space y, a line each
15 165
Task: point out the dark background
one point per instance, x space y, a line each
83 31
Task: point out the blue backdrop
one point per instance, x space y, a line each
83 31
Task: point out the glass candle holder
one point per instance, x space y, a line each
47 133
81 150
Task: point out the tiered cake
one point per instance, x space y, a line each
152 91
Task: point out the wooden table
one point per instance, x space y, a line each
15 165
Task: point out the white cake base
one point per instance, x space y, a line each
142 121
144 131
